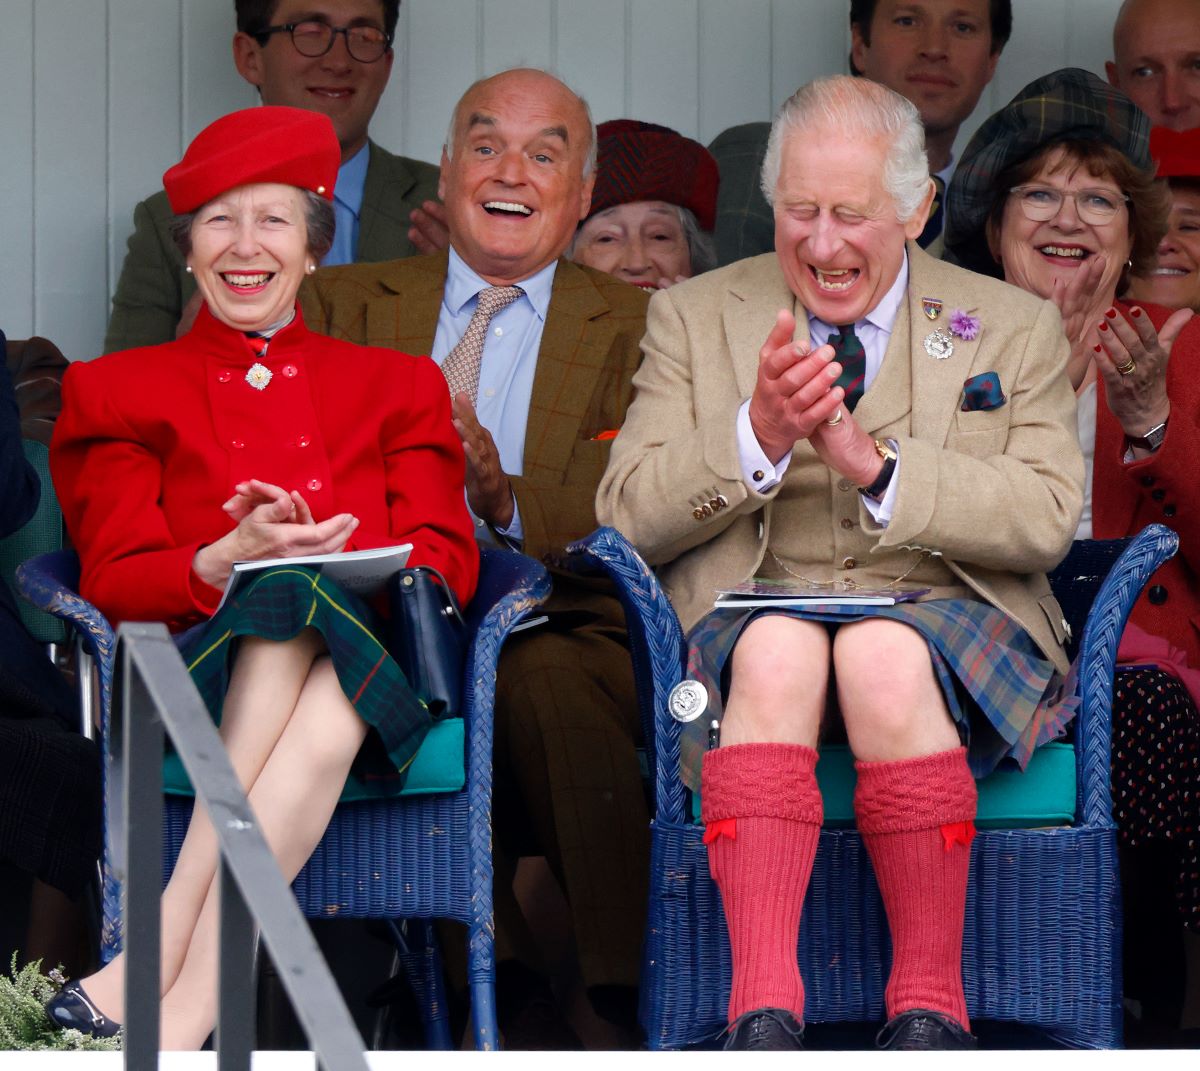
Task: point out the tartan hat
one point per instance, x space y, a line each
1071 104
269 143
645 162
1177 152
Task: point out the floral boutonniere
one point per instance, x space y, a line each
964 325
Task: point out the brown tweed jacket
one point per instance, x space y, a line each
581 389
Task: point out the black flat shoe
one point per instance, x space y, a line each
71 1009
919 1030
765 1030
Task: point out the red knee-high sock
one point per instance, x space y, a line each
917 818
762 813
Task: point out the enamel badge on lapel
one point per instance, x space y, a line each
939 345
931 307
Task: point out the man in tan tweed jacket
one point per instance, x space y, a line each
554 384
849 409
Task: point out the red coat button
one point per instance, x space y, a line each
224 377
290 370
314 485
237 444
304 440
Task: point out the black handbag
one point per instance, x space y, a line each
428 638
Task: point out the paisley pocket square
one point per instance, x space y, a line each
982 392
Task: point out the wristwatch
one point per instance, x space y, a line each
880 484
1152 440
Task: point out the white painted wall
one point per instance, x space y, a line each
101 96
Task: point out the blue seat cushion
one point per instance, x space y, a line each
1042 795
439 766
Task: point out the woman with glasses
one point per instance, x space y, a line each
1056 193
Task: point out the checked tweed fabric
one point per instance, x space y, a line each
461 366
849 353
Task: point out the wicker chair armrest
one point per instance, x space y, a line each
657 648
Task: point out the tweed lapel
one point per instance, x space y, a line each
406 316
382 226
936 384
576 341
752 302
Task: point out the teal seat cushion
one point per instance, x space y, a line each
1043 795
439 766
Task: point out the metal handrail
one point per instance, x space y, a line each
157 695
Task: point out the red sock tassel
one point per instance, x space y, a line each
762 813
917 821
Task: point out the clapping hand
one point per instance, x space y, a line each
1075 298
1132 358
489 490
271 523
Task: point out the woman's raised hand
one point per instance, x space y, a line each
1132 357
1081 307
271 523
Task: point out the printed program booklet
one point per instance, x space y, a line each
760 592
362 572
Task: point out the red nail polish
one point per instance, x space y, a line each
1111 314
1098 348
1136 313
1103 326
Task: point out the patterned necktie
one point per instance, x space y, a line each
849 353
937 215
461 366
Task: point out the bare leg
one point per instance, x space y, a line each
264 688
293 798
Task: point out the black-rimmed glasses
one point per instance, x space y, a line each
312 38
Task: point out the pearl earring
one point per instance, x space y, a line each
188 268
311 268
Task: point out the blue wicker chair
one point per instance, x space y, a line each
416 857
1043 932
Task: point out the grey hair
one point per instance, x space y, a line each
857 106
702 250
318 222
589 165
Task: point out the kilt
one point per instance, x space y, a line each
1006 699
276 605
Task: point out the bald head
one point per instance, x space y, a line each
1156 59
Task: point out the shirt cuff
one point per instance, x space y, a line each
881 511
757 470
514 534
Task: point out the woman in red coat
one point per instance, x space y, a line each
252 438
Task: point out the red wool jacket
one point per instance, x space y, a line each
1162 488
151 442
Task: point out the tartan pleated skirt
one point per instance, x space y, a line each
1006 699
277 604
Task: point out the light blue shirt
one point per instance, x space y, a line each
347 206
510 353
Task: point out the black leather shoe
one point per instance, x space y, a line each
765 1030
919 1030
70 1009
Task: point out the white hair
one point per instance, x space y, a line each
589 164
857 106
702 249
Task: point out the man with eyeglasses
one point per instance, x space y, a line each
329 56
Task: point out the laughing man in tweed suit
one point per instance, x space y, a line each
554 383
938 452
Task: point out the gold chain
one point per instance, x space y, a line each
846 584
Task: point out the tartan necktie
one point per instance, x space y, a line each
849 353
461 366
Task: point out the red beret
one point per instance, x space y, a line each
1177 152
646 162
265 144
